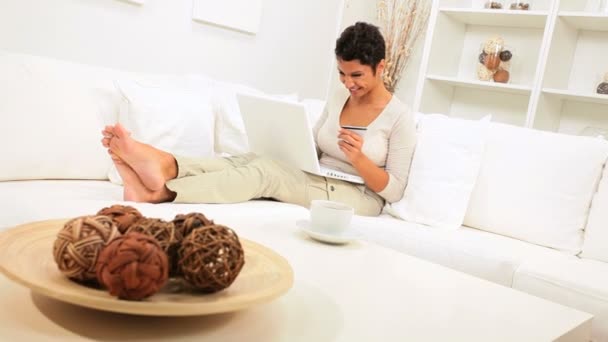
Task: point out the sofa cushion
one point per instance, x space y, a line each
536 186
482 254
577 283
595 245
171 113
443 172
53 112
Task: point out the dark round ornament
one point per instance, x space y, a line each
184 224
133 266
211 258
602 88
122 215
506 55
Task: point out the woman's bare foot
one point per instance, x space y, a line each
107 135
135 190
153 166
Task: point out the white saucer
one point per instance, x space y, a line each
336 239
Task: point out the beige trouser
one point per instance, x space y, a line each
245 177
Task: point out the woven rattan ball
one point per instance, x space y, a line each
184 224
122 215
211 258
133 266
79 243
162 231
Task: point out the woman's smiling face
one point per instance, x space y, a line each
359 78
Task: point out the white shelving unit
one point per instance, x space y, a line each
560 52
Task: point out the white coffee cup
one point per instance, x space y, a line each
330 217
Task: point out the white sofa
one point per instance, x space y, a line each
536 221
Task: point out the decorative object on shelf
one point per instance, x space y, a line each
602 88
494 61
520 5
122 215
483 73
79 243
402 23
501 76
211 258
493 4
133 266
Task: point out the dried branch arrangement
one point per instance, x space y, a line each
402 22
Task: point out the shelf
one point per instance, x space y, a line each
492 17
585 20
559 46
483 85
578 97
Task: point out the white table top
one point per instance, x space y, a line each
357 292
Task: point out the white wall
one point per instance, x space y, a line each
292 52
365 10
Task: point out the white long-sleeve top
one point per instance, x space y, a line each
389 142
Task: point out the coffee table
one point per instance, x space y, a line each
355 292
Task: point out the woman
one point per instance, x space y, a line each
152 175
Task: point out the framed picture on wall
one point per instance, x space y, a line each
238 15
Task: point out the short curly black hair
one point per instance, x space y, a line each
363 42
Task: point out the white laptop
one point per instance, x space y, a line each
280 130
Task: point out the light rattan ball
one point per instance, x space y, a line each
79 243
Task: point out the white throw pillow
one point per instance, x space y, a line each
596 231
443 171
536 186
174 115
52 113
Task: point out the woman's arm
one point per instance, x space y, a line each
389 182
351 143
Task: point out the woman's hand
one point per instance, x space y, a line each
350 143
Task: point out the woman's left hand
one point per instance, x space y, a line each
350 143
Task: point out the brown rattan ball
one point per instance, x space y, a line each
79 243
133 266
184 224
211 258
162 231
122 215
